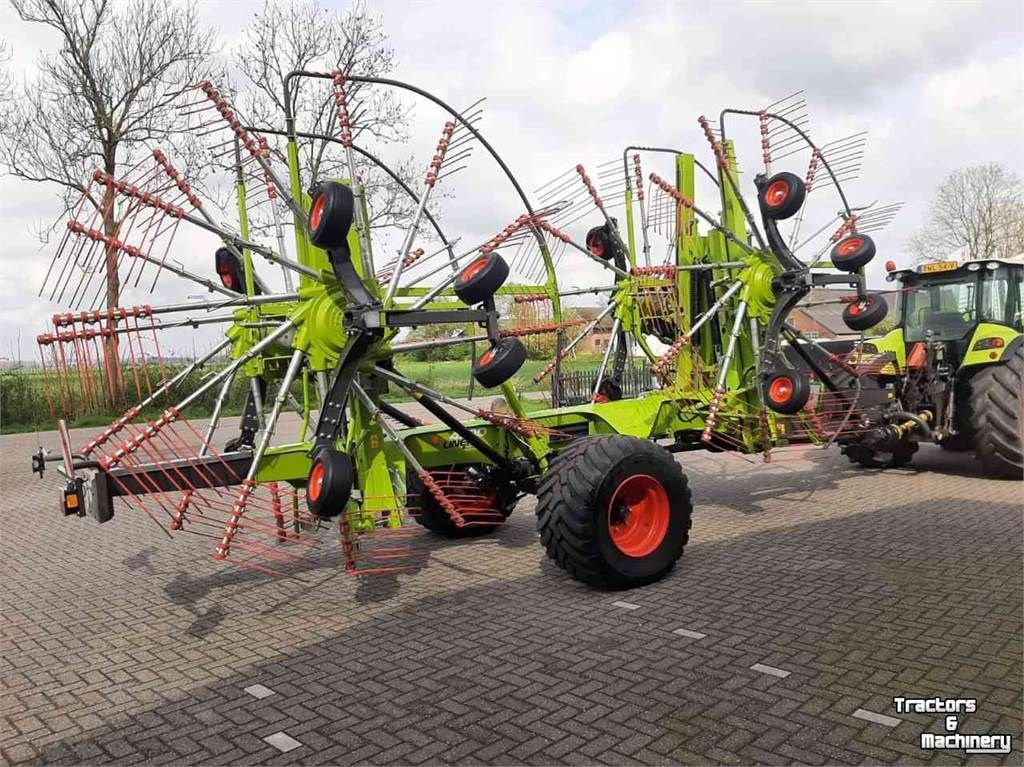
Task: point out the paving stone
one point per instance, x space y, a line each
872 716
283 742
864 585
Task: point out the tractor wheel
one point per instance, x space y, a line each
430 515
996 418
481 279
614 511
782 195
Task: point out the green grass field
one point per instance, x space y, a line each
24 407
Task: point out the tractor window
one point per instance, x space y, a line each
1000 296
945 307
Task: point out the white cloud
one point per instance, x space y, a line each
939 85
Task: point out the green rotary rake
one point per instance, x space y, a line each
707 325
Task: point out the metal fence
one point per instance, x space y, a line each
576 387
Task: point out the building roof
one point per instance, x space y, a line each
830 315
589 313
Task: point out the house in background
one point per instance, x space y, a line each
825 320
597 341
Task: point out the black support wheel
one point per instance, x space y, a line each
864 313
614 511
853 252
484 508
996 403
481 279
330 217
500 362
787 392
782 195
330 482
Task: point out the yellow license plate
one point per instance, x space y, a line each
939 266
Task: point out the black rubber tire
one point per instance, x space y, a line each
330 216
853 252
485 275
901 456
329 486
794 402
600 243
573 510
782 195
996 405
865 313
435 519
609 389
500 362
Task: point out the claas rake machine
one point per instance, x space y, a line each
725 369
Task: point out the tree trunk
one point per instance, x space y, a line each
113 374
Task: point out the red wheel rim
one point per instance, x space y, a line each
638 515
780 390
859 306
776 193
486 357
473 269
316 481
318 212
850 245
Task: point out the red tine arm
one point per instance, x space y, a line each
173 174
230 118
341 102
716 146
130 190
766 152
441 498
671 191
442 147
590 186
639 177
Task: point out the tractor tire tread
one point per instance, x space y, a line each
996 398
565 498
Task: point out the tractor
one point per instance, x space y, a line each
955 375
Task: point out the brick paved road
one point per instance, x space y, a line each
848 587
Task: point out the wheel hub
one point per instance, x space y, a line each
638 516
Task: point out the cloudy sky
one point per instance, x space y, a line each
938 85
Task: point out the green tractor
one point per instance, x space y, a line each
954 370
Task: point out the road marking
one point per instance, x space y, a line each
626 605
283 742
871 716
689 634
259 691
770 670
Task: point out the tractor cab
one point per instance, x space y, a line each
967 308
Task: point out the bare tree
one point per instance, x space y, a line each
106 96
6 91
289 35
977 213
103 98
